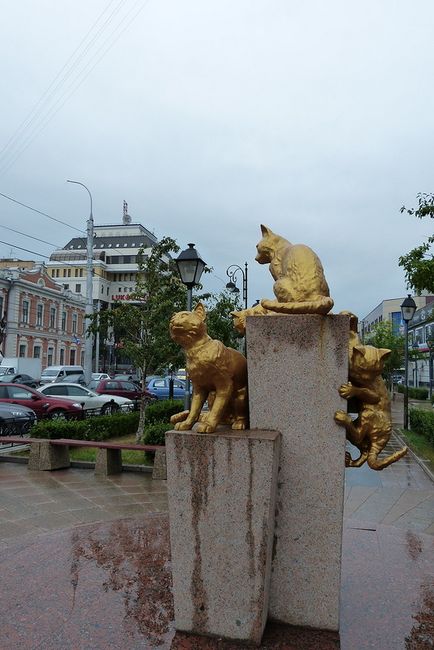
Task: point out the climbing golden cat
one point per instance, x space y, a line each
218 374
300 286
370 432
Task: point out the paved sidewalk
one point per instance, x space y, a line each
85 564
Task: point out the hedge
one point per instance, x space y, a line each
413 393
422 422
154 434
95 428
162 410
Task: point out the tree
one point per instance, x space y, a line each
219 320
142 325
418 264
383 336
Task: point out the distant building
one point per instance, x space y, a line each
390 310
114 261
40 318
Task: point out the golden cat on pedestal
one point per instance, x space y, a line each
218 374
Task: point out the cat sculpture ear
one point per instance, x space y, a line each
200 311
265 231
359 349
383 353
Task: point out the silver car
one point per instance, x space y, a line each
87 398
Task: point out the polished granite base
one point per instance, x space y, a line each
106 584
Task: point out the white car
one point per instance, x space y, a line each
89 400
100 375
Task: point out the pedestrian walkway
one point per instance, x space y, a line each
85 564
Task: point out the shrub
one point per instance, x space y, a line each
96 428
422 422
413 393
162 410
153 434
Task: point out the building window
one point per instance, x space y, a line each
81 273
63 326
102 289
36 351
25 311
66 286
77 288
107 291
62 356
39 316
69 273
52 318
1 306
50 354
74 323
72 357
22 350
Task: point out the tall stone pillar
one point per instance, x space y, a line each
296 364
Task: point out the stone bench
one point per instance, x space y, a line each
47 455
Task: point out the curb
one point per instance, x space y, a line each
417 459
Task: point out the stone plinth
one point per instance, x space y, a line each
46 457
108 461
159 471
221 491
296 364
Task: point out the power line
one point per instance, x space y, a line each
24 249
44 214
58 105
30 236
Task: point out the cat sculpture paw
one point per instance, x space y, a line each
342 418
205 427
347 390
182 426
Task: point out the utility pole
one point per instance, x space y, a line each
88 341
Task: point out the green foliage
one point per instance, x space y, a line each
418 264
154 434
142 326
219 320
382 336
97 428
422 422
162 410
413 393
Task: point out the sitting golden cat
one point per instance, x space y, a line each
218 374
300 286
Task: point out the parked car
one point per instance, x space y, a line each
89 399
160 387
57 373
123 389
20 378
73 379
42 405
100 375
128 377
15 420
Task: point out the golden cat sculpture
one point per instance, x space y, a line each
218 374
370 432
300 286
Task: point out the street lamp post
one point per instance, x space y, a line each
231 272
408 308
430 346
190 268
88 343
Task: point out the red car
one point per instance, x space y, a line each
123 389
42 405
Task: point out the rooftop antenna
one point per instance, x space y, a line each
126 219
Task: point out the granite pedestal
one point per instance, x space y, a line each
296 364
221 491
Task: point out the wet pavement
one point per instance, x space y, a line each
85 564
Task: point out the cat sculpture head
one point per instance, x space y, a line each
367 363
268 245
186 327
239 321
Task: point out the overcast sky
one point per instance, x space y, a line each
210 117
